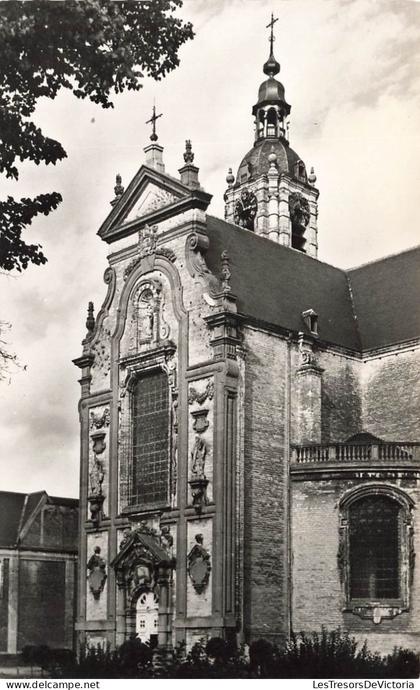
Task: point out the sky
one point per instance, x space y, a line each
352 75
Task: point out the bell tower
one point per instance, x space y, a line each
272 194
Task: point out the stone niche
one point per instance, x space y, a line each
150 318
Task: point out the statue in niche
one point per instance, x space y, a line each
198 457
97 572
146 315
96 477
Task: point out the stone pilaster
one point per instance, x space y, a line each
273 200
12 628
285 226
309 381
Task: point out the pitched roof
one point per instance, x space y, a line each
386 299
11 507
367 307
17 508
276 284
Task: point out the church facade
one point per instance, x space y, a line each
250 442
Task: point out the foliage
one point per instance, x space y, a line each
48 659
93 48
325 654
330 653
7 359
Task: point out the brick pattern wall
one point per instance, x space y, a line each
341 397
317 597
41 612
265 523
341 411
391 396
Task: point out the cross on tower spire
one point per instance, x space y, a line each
152 121
271 24
271 67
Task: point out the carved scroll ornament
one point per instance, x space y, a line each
195 249
199 565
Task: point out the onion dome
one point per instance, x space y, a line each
271 67
271 91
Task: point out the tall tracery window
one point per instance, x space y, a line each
150 417
374 545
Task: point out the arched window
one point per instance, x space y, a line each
271 123
376 550
150 452
374 543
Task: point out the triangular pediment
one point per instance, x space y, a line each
151 199
139 547
149 195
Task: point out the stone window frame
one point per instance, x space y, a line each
132 368
379 609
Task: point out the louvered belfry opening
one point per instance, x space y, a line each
150 417
374 548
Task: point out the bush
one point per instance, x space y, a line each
324 654
403 663
328 654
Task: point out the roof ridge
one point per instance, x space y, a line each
383 258
353 309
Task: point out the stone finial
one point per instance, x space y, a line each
90 321
118 190
272 158
188 153
189 172
312 176
226 272
230 178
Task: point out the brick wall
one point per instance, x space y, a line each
41 612
265 528
341 409
317 598
391 396
341 398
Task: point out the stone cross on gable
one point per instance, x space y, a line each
152 121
